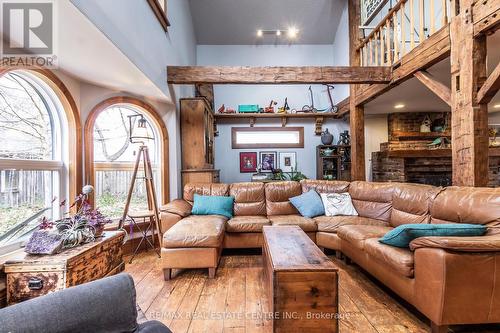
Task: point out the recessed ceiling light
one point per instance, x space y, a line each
278 32
260 33
292 32
399 106
496 106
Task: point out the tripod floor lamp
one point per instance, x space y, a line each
139 134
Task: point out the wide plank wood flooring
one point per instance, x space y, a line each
235 301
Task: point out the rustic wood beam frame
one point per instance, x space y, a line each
490 87
438 88
277 75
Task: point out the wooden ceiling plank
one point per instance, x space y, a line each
490 87
438 88
277 75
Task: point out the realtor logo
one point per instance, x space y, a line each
27 33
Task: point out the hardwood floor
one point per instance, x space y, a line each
235 300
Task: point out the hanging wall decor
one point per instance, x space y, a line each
268 160
248 162
288 161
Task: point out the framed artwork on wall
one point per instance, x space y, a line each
287 161
248 162
268 161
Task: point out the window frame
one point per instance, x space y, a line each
160 12
68 165
236 145
163 142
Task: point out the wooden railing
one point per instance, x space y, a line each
405 26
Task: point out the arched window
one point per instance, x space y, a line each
34 150
111 160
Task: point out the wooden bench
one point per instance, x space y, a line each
302 282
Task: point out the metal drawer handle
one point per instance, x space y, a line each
35 283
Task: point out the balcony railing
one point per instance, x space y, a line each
405 26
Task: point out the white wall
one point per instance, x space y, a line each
226 158
376 132
135 31
341 50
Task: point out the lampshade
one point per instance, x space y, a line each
139 132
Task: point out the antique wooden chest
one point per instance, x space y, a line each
37 275
301 281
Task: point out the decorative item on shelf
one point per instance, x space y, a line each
287 161
267 161
425 127
440 143
285 108
225 110
270 108
344 138
309 108
493 131
327 151
248 162
439 124
73 230
333 108
326 137
248 108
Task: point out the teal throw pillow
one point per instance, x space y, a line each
213 205
404 234
309 204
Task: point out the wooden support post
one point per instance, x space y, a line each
469 119
356 115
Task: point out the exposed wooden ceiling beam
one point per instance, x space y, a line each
438 88
490 87
343 107
276 75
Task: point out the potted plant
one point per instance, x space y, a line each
72 230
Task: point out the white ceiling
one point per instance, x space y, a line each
418 98
235 22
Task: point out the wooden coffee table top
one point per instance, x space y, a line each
290 249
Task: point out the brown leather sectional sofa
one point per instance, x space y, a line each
451 280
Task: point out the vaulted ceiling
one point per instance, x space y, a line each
235 22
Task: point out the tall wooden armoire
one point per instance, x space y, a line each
197 139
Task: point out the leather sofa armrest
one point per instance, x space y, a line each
489 243
178 206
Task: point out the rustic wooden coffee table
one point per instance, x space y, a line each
302 282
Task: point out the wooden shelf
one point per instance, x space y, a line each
400 135
274 115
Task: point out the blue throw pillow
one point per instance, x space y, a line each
309 204
213 205
404 234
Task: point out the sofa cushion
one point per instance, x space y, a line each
411 203
338 204
196 231
204 189
404 234
477 205
400 260
213 205
309 204
357 234
278 195
247 224
332 223
249 199
305 223
373 200
324 186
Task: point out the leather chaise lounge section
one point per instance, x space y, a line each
451 280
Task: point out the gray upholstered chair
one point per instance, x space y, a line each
106 305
